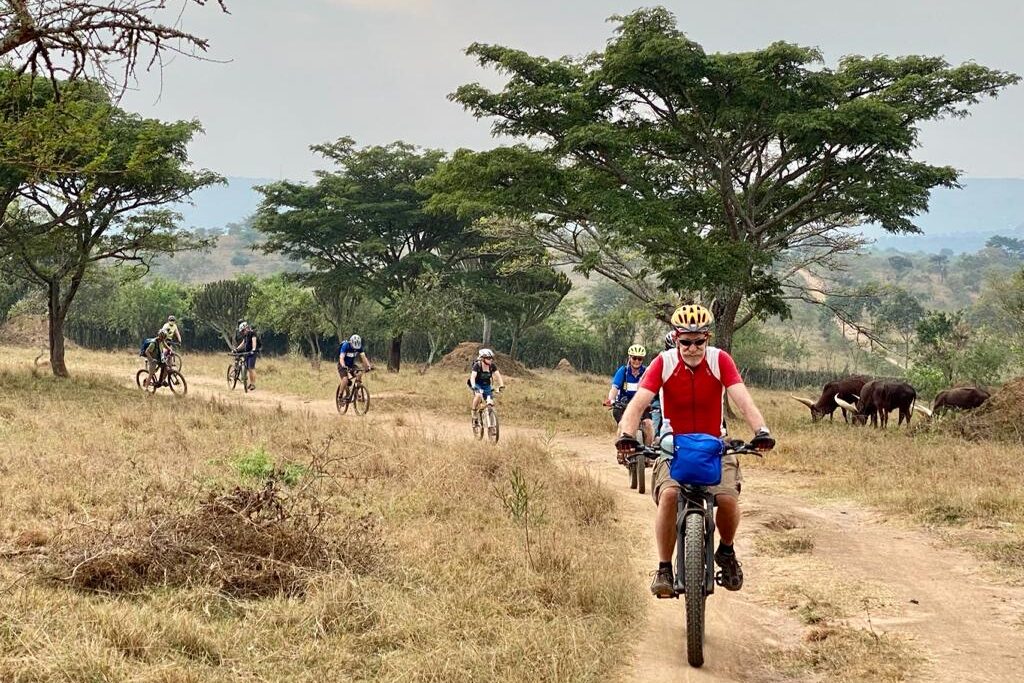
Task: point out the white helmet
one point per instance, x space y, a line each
242 325
670 341
356 341
485 353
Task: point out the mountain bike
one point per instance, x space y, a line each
485 420
355 393
694 564
173 357
237 371
166 377
636 464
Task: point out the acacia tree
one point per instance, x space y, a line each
727 173
83 187
362 228
102 40
221 304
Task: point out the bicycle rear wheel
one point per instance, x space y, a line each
361 399
341 400
232 376
492 424
140 379
696 596
640 469
176 382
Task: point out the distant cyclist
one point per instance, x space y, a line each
625 383
170 329
349 352
156 352
481 377
249 345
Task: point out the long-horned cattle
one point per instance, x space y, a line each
848 389
880 397
959 398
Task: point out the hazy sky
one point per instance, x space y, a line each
299 72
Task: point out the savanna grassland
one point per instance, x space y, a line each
396 557
406 551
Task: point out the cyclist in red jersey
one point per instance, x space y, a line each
693 379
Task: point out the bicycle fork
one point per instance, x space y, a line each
695 501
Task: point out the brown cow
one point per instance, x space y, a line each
959 398
879 398
847 389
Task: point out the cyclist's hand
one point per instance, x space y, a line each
606 403
627 444
762 441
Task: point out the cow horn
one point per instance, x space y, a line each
806 401
843 404
922 409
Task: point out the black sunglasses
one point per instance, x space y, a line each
636 357
687 343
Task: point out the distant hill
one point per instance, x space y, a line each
215 207
963 220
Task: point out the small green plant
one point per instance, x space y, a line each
522 500
258 464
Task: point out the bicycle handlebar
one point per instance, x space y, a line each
732 447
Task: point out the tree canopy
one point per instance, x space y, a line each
363 226
712 175
84 182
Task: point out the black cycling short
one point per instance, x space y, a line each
346 371
618 408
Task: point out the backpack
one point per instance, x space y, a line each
145 343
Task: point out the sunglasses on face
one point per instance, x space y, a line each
687 343
636 357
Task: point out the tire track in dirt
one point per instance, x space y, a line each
969 628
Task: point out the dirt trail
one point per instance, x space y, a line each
968 628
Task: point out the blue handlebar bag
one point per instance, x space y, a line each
697 460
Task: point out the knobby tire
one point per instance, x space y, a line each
176 383
693 575
232 377
640 466
362 400
340 399
492 424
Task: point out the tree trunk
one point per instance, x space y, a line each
395 354
515 342
725 309
55 319
487 331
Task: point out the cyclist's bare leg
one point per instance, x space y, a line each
343 383
648 429
665 523
727 517
252 377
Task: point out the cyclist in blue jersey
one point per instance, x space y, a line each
625 383
349 352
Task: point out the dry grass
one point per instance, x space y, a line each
843 653
781 543
452 598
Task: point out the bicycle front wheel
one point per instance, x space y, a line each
232 376
176 382
640 467
174 363
696 596
341 400
492 424
362 400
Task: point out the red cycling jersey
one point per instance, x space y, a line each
691 398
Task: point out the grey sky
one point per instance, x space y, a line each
307 71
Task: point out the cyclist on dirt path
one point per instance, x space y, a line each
156 353
170 328
248 345
625 383
349 352
482 373
693 379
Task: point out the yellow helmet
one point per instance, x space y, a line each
692 318
636 350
